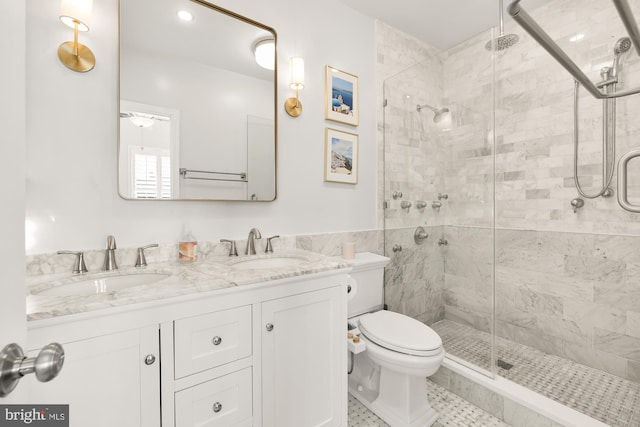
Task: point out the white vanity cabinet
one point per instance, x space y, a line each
270 354
109 380
302 360
292 373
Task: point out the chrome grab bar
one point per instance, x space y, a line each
530 26
623 163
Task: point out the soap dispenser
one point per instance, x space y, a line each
187 246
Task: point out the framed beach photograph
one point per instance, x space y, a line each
340 156
341 96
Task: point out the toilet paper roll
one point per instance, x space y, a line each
352 288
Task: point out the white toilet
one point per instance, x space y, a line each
389 371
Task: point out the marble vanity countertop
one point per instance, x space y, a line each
214 273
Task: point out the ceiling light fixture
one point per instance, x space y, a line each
265 53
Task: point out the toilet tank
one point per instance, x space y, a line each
367 283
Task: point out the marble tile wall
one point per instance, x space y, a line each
411 153
534 123
574 295
565 283
414 278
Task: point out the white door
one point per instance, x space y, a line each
12 183
303 355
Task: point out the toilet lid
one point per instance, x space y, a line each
400 333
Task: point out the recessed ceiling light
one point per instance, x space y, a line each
185 16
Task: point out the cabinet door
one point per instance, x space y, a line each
106 381
303 347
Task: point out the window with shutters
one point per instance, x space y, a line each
150 172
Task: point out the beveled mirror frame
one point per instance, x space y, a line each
174 170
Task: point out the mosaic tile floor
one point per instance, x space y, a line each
454 412
605 397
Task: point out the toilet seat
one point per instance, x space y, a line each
400 333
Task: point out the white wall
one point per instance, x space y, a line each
12 151
72 200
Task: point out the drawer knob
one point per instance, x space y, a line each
269 327
150 359
217 407
216 340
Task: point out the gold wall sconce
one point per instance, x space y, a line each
293 106
77 15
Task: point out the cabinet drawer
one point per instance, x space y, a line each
222 402
204 342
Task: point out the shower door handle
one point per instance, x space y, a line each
623 164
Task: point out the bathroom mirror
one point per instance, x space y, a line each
197 112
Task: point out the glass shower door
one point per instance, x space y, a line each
439 197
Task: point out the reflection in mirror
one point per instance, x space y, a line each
197 112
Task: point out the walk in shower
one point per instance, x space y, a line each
519 282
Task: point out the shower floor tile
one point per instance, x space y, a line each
603 396
453 410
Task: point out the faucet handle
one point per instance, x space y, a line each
232 249
269 248
111 242
79 267
141 261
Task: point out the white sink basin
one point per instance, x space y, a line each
103 285
270 262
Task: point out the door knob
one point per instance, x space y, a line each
14 365
269 327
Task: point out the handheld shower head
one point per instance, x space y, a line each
622 46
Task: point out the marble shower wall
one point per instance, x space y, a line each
414 279
566 283
534 123
412 159
574 295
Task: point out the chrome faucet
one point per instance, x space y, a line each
251 246
110 255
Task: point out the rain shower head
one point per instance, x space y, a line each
503 41
440 114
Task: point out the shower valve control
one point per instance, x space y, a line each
405 204
421 204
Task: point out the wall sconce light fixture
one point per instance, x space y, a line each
77 15
265 52
293 106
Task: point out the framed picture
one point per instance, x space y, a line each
340 156
341 96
